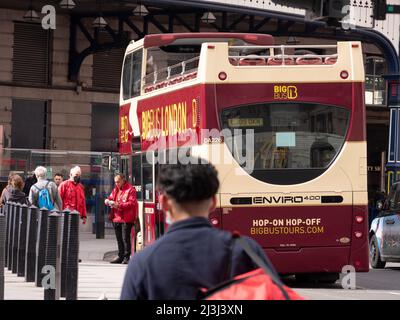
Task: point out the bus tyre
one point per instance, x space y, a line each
374 254
329 278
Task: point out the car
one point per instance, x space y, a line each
384 234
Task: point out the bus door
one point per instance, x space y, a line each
136 181
153 217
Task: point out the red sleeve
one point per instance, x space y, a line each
61 191
130 201
83 201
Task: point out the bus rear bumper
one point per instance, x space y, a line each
319 259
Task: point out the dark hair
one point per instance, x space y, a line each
188 182
58 175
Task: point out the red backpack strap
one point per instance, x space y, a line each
259 262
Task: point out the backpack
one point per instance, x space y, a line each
44 200
259 284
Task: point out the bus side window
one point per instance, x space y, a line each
125 166
148 183
137 175
136 73
126 77
147 178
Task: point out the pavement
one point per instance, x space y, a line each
97 278
92 249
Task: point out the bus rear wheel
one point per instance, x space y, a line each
328 278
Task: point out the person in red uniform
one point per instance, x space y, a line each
73 194
123 216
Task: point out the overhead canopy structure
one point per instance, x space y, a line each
165 16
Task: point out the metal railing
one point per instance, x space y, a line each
171 72
243 57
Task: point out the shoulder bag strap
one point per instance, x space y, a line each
259 262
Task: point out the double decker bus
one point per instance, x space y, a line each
283 124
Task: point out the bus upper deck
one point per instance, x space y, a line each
230 58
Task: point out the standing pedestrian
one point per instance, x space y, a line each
15 193
29 182
123 215
44 193
192 254
73 193
58 178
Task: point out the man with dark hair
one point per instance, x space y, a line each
58 178
124 208
29 182
192 254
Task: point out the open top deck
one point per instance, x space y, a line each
221 62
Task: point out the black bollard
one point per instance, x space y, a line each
2 253
17 218
11 234
6 213
64 250
73 253
52 258
41 245
7 232
31 238
22 240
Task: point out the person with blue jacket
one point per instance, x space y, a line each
192 254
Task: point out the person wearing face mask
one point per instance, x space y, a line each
72 193
124 211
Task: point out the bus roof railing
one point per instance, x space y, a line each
248 55
172 72
285 57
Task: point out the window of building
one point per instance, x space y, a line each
31 57
107 64
104 136
32 134
375 84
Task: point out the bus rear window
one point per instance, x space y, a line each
288 137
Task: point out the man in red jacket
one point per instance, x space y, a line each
73 194
123 215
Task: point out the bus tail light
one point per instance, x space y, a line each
358 234
222 76
214 221
344 74
360 219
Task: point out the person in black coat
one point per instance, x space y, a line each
29 182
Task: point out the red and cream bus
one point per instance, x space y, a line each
284 126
